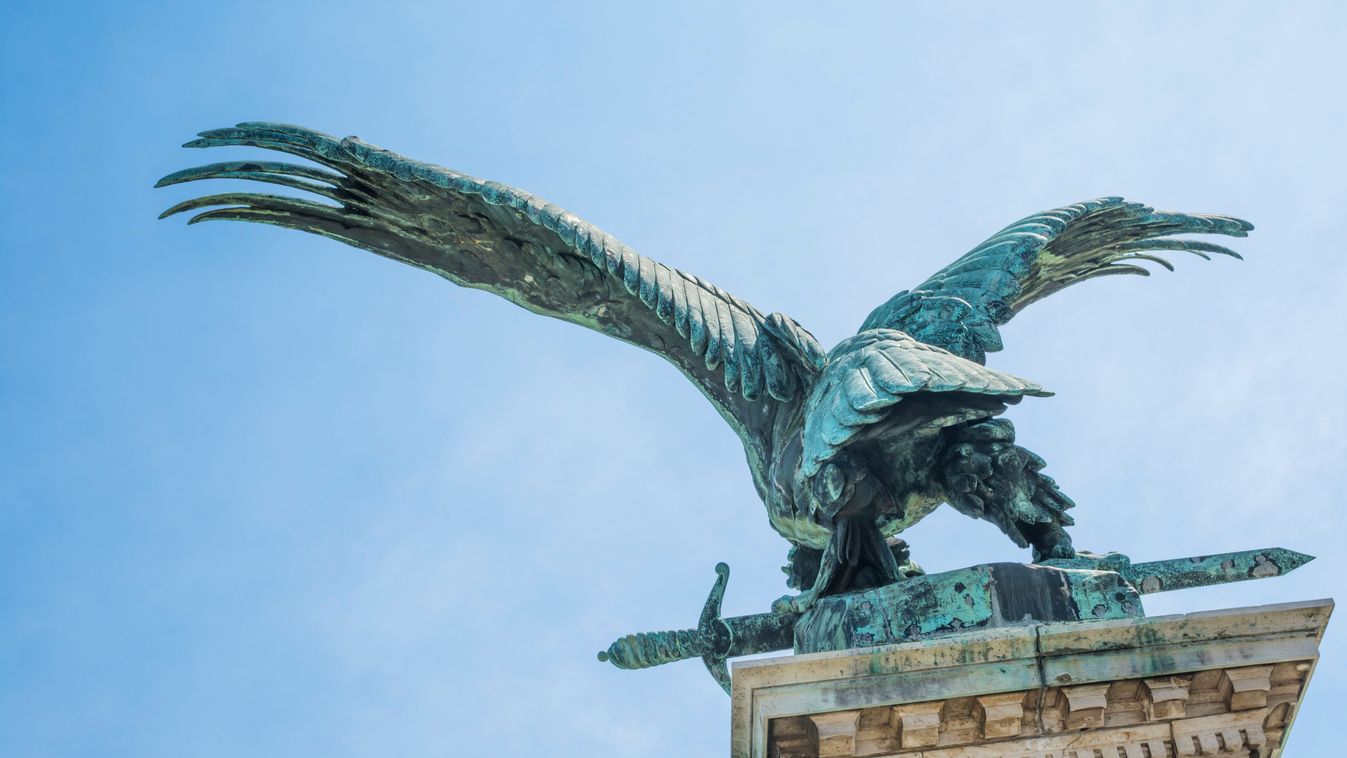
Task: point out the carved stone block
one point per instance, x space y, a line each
1001 715
918 724
1165 697
836 732
1222 734
1247 687
1085 705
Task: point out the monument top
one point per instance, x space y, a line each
1214 683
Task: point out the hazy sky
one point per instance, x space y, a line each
264 495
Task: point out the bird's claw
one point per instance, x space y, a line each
1057 552
795 603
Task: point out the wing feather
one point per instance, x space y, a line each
664 294
680 306
491 236
961 306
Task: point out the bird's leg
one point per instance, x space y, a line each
879 554
856 556
827 568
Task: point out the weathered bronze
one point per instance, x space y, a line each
847 447
1085 588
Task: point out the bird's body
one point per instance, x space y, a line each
874 445
847 447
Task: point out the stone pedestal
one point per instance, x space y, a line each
1222 683
978 597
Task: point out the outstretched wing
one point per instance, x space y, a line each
490 236
960 307
869 374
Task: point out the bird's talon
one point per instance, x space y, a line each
795 603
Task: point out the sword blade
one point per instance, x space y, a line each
1204 570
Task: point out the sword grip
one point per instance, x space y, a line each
639 651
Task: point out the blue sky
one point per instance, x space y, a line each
264 495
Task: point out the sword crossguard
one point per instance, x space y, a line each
714 629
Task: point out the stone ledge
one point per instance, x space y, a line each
1214 683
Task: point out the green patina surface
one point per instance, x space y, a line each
1089 587
919 607
979 597
846 447
1198 571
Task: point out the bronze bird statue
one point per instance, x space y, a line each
847 447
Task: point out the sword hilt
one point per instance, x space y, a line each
711 640
639 651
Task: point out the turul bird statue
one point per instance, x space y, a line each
847 447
